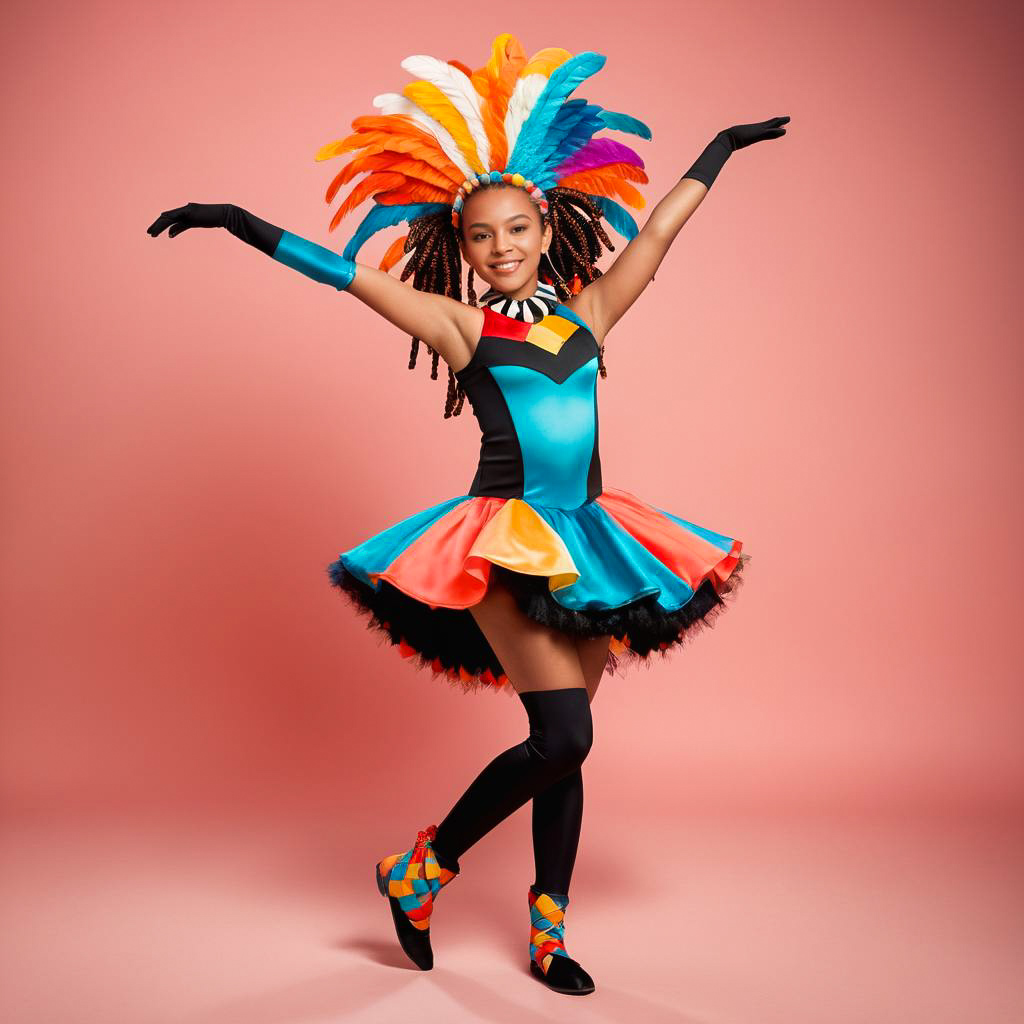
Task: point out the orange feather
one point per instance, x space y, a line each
610 187
496 82
462 67
417 192
410 147
375 160
346 173
395 251
426 150
396 125
377 182
623 170
398 198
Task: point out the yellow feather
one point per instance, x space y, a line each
433 102
545 61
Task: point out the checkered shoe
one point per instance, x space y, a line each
549 962
411 882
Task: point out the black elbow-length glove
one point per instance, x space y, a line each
722 146
307 257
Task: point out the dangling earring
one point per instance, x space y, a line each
554 269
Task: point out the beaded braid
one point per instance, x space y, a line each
570 229
436 264
435 267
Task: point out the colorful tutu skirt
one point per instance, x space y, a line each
613 566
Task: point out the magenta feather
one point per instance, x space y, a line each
598 153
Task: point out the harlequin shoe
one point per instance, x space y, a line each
411 882
549 962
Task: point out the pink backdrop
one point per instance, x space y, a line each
826 367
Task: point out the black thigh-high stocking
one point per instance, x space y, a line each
561 735
557 820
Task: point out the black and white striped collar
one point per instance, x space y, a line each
531 309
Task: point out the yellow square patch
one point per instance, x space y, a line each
551 333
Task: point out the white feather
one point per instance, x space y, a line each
521 104
396 103
459 89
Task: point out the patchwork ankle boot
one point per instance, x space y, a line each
411 882
549 962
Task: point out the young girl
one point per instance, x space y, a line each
540 578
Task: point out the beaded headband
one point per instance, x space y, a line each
485 179
456 129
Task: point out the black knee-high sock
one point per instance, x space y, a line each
557 820
561 734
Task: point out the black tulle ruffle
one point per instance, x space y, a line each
448 641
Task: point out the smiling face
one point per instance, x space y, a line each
501 224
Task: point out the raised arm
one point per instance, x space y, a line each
445 324
608 298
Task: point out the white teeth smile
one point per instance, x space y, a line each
505 266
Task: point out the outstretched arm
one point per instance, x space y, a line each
609 297
443 323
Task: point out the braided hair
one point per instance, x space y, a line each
436 264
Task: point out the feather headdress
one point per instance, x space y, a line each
454 129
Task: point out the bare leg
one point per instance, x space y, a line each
534 657
593 655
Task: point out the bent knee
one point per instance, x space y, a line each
571 748
566 745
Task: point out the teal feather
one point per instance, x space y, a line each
382 216
617 217
625 123
571 130
527 156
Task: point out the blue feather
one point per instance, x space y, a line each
526 158
617 217
571 130
382 216
625 123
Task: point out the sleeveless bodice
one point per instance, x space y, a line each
533 390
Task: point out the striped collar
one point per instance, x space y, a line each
531 309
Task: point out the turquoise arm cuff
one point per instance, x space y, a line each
315 261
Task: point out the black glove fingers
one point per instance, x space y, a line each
192 215
747 134
160 224
167 218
